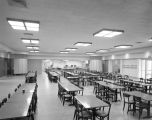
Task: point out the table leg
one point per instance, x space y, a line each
93 111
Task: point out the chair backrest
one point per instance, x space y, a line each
99 97
4 101
15 89
108 107
126 97
9 95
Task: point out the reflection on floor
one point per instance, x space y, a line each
50 107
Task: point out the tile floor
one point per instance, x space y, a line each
50 107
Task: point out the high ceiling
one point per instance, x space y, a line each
65 22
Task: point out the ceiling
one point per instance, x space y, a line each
65 22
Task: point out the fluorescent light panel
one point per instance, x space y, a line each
34 51
35 41
64 51
24 24
30 41
90 53
150 40
108 33
71 49
123 46
33 47
83 44
102 50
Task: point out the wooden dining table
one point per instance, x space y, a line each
90 102
143 96
31 77
27 87
111 86
14 110
69 87
18 104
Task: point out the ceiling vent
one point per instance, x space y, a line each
18 3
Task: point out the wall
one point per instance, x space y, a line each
35 65
130 67
20 66
95 65
63 63
3 67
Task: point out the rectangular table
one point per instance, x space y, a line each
143 96
15 110
69 87
28 87
111 86
90 102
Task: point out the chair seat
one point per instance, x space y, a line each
101 113
67 95
85 114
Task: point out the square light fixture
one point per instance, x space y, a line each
150 40
29 47
83 44
33 47
108 33
26 41
102 50
34 51
30 41
64 52
71 49
28 25
123 46
90 53
35 41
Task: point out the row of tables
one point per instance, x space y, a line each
88 101
91 102
17 106
31 77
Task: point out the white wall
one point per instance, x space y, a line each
95 65
35 65
20 66
130 67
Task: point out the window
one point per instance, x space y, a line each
145 69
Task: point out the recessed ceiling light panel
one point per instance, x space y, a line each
34 41
30 41
90 53
83 44
71 49
123 46
28 25
33 47
102 50
64 51
34 51
27 41
150 40
108 33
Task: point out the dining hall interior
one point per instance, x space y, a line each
75 60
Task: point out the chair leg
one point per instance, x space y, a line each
124 106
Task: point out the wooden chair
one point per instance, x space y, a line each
139 105
104 111
127 100
81 113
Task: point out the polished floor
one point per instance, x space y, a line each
49 106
